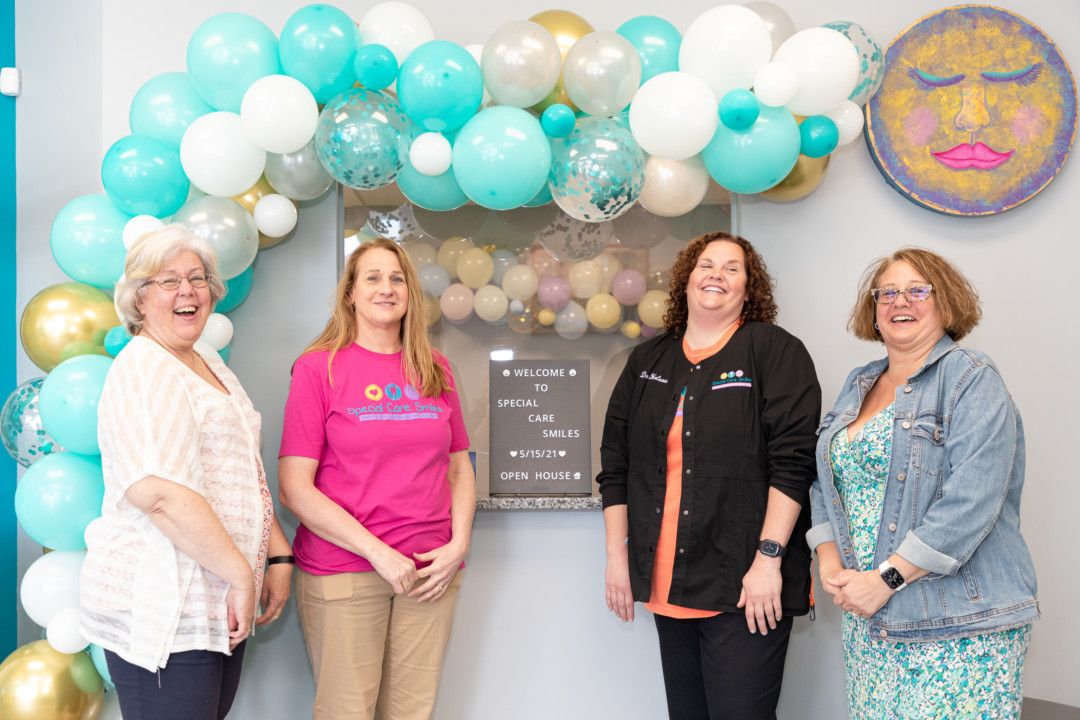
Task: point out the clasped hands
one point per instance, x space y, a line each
862 593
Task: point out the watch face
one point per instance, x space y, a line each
770 548
892 578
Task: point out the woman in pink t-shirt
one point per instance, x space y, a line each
374 463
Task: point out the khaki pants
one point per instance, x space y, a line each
373 653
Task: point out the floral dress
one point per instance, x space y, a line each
972 677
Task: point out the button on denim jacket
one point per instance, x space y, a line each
952 498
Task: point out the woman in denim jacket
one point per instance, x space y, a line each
916 507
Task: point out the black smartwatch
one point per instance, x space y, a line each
892 577
771 548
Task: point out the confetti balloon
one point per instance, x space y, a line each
23 434
597 171
363 139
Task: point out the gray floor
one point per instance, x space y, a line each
1044 710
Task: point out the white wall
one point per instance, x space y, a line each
532 639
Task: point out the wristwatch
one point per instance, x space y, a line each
892 576
771 548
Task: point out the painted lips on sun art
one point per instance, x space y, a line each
976 114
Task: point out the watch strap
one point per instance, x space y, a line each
771 548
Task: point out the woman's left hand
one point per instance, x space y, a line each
275 592
861 593
436 577
760 595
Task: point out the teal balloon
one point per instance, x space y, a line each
440 86
143 176
318 45
657 42
363 138
226 54
597 172
542 198
69 402
558 120
116 340
165 106
819 136
502 158
58 497
438 192
97 655
87 240
757 159
739 109
237 289
375 66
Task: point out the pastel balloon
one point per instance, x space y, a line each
673 187
87 240
24 435
503 260
38 682
226 54
227 227
648 331
522 320
58 497
725 47
451 250
597 148
544 262
656 41
431 154
520 282
298 175
558 120
433 279
218 331
144 176
776 84
318 45
440 86
431 192
138 226
456 303
375 66
69 402
279 114
609 268
546 317
397 26
803 179
755 160
628 286
631 329
421 253
571 322
520 63
66 320
828 68
653 306
51 584
819 136
586 278
601 73
475 267
501 158
673 115
165 106
553 292
363 138
849 121
275 216
778 22
490 303
567 28
603 311
63 632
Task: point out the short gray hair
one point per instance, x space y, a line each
145 259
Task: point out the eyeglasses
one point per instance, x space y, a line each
914 293
172 282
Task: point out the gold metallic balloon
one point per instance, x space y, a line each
66 320
567 28
40 683
250 198
803 179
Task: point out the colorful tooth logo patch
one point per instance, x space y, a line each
732 379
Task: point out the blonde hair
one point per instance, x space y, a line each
957 300
145 259
417 358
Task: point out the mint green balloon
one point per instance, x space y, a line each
502 158
87 240
756 159
58 497
226 54
318 45
165 106
143 176
69 402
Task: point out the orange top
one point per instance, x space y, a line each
669 522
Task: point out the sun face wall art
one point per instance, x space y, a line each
977 112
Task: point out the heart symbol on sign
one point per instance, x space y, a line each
562 453
513 453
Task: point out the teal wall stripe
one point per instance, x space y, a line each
9 560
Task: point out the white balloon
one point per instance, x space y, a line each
477 51
63 632
279 113
218 156
275 215
431 154
828 68
849 121
674 115
51 584
779 23
138 226
571 322
725 46
776 84
397 26
673 187
218 331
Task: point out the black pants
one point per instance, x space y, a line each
715 669
193 685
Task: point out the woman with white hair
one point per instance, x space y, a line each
175 564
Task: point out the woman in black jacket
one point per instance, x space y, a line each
708 456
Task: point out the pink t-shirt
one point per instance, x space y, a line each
383 452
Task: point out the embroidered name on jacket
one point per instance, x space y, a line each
653 376
732 379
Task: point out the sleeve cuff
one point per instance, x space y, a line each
613 495
820 534
918 553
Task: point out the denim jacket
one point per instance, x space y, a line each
952 498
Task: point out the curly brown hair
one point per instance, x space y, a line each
759 306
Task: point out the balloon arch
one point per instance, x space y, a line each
547 110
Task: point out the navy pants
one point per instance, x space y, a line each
193 685
715 669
